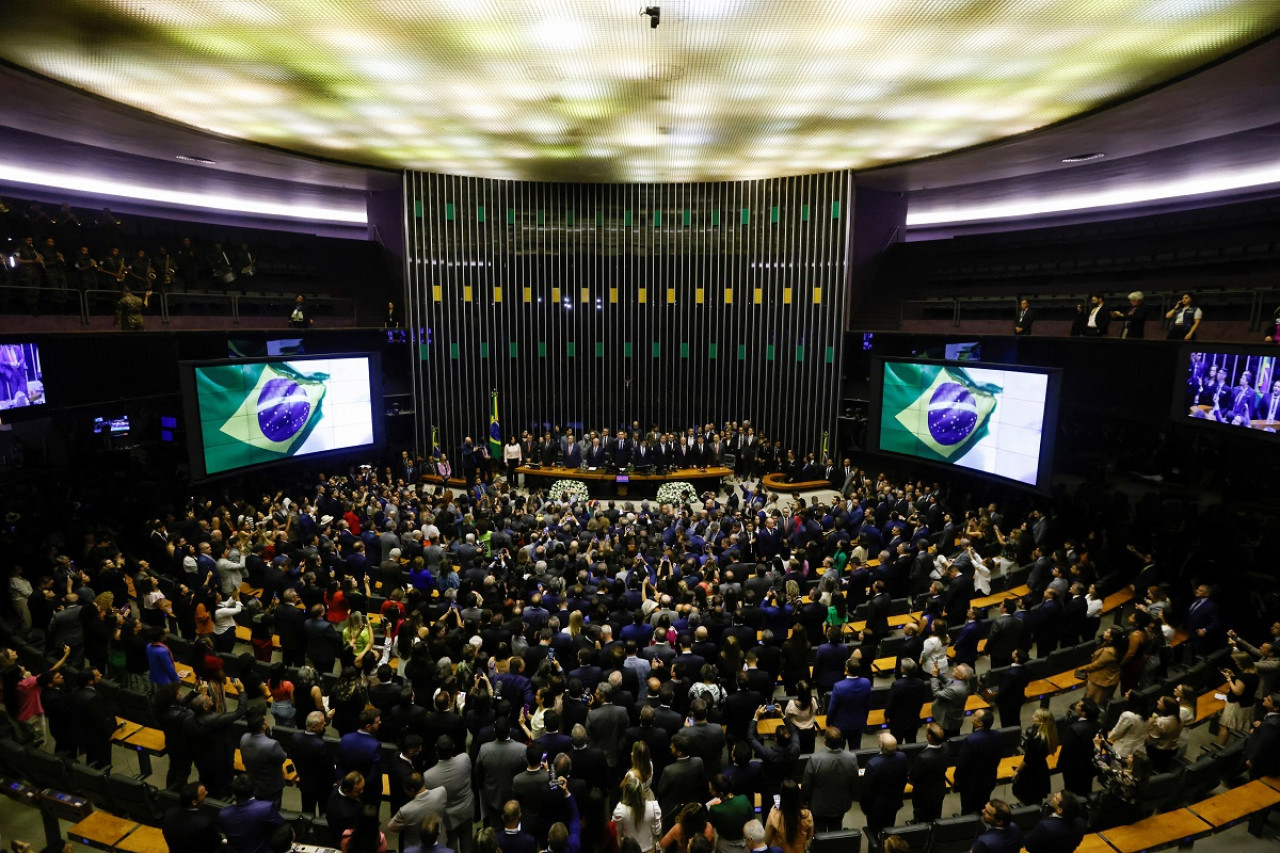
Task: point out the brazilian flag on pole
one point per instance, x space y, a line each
495 431
933 411
252 413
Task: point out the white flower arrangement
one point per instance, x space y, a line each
576 489
673 493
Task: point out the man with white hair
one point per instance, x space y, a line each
1135 318
753 835
231 571
883 787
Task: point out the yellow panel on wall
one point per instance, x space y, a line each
728 296
466 293
671 296
817 296
555 294
699 295
585 295
497 293
613 296
758 296
437 292
643 295
786 296
528 294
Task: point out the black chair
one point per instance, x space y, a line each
1161 790
955 834
1027 816
92 784
838 841
134 799
1199 779
313 830
1010 739
918 836
167 799
45 770
12 758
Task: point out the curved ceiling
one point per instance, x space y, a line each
588 91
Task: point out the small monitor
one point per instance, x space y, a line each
111 426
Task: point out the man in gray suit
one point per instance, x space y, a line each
831 778
949 698
423 803
683 781
264 761
607 724
453 773
497 764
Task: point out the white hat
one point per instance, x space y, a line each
1137 294
325 519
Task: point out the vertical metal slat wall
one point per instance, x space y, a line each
595 305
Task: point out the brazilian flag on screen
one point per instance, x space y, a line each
936 412
495 431
254 413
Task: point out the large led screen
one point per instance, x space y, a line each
1230 386
258 412
21 376
996 420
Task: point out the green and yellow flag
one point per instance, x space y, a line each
933 411
253 413
495 431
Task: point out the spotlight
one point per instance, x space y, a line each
655 15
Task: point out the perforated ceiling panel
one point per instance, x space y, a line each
587 90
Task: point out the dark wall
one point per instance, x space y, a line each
879 221
602 304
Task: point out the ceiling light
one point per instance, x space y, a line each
188 158
353 215
1084 158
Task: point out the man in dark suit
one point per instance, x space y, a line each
1096 318
249 823
999 833
684 780
289 624
928 777
96 720
1004 635
1025 319
883 786
1075 612
779 758
907 696
829 661
850 703
316 773
1060 831
1075 755
966 639
831 777
705 740
571 454
878 618
1203 623
977 765
1262 747
1044 621
323 641
186 827
1011 690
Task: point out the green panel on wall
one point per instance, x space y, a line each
746 216
542 349
768 353
715 216
423 349
742 352
713 350
657 219
626 218
626 349
542 217
686 218
569 218
449 211
571 349
453 350
599 218
599 349
835 210
804 213
657 350
800 352
773 214
417 208
511 216
831 355
684 349
479 214
513 350
484 349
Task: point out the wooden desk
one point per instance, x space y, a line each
1118 599
1161 830
1236 805
769 725
144 839
124 728
988 600
601 476
1094 843
190 678
1208 704
1008 766
101 830
146 742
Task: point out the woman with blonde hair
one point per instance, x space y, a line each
638 817
641 768
357 636
1039 741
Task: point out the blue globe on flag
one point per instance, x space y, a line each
283 409
953 414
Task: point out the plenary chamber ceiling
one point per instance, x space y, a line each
601 304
